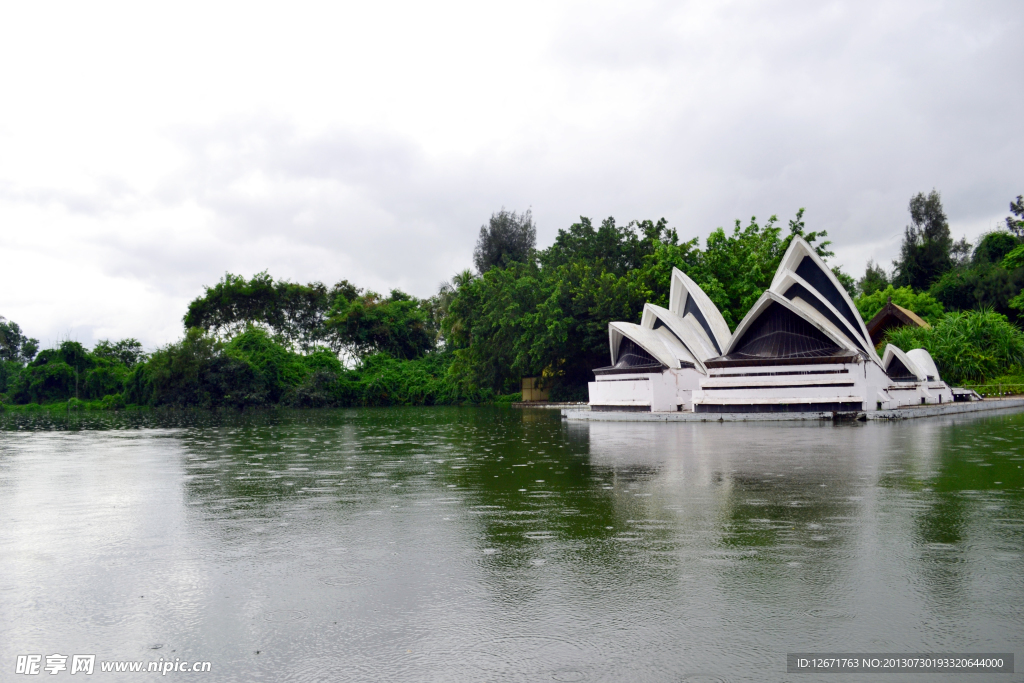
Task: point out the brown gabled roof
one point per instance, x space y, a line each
918 320
892 315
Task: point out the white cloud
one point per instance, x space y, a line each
147 151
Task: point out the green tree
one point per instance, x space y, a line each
295 313
993 247
235 303
983 286
508 237
1015 261
1015 222
985 282
276 369
127 352
55 375
370 323
925 252
15 346
734 270
617 249
875 278
551 317
195 372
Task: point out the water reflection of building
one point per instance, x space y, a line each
802 347
754 508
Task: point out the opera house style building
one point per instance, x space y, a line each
658 364
802 347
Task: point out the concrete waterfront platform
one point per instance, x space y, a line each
551 405
584 414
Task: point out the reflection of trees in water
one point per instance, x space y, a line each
633 503
599 522
958 479
352 457
636 507
793 514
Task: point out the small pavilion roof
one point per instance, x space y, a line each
892 315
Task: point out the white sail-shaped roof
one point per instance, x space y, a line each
923 360
661 345
686 298
794 287
691 331
806 315
686 330
802 274
893 357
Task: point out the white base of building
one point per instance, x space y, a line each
669 390
584 414
814 387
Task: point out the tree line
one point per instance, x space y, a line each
957 275
522 311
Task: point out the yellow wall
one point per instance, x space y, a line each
532 390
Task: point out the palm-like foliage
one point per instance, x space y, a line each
967 346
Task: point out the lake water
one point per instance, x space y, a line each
489 544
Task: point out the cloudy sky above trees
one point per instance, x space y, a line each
145 151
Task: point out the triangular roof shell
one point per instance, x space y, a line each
804 310
662 346
785 280
685 296
892 352
923 360
686 330
802 260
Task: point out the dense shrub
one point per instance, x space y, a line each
276 369
50 381
254 370
427 381
175 374
985 285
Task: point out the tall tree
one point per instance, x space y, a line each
234 303
875 278
926 250
508 237
15 346
735 269
1015 223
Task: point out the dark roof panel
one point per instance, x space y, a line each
798 290
898 372
779 335
816 278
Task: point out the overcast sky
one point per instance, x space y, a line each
146 151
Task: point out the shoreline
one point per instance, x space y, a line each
909 413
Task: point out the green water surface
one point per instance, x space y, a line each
494 544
